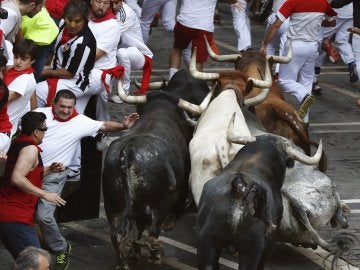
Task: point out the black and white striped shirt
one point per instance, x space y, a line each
76 55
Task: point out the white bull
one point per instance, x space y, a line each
210 150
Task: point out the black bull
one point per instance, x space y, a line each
237 206
146 170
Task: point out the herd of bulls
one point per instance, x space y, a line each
245 162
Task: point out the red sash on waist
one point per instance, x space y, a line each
116 72
52 84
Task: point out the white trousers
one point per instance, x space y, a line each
132 59
4 142
149 9
356 51
241 25
42 90
297 76
277 45
278 42
134 6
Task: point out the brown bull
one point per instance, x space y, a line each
276 115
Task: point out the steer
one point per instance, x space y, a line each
276 115
145 176
238 207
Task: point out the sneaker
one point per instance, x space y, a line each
332 52
63 259
316 89
116 99
74 175
353 73
307 101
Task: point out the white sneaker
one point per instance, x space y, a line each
116 99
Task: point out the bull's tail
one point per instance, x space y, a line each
124 230
341 245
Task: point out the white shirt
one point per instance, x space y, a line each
130 30
25 86
197 14
107 35
346 12
61 139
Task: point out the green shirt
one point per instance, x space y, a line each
41 28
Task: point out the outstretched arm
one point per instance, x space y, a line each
274 28
128 122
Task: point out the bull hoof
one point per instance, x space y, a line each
155 257
122 267
156 260
134 256
169 224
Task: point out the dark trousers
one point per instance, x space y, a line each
41 60
18 236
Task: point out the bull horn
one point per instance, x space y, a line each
152 85
258 99
200 75
231 137
267 82
220 58
130 99
197 109
299 156
282 59
189 120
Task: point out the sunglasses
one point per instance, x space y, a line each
43 129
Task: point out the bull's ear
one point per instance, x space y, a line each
289 162
239 186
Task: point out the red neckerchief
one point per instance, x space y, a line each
12 74
108 16
75 113
27 138
66 36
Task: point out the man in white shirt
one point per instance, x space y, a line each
65 129
132 54
305 19
107 34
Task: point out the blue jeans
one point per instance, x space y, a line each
18 236
41 60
